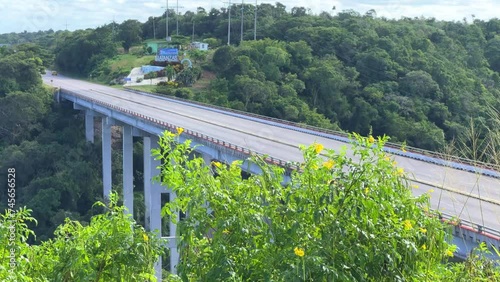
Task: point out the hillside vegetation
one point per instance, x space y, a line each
415 79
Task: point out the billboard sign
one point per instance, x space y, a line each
168 52
168 55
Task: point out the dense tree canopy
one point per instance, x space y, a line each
58 175
361 72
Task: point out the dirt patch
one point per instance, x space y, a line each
204 82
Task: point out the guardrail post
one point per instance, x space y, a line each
128 170
106 157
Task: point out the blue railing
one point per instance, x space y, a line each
456 162
492 233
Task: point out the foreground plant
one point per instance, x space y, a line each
337 218
111 248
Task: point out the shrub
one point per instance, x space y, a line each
340 218
184 93
111 248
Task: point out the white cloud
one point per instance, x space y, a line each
34 15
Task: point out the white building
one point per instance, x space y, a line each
200 46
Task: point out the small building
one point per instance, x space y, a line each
156 45
200 46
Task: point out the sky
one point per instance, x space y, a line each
35 15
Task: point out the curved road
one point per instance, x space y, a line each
451 186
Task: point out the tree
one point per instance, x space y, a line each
130 33
252 91
187 77
420 84
197 55
222 57
492 53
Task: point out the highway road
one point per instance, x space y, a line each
451 186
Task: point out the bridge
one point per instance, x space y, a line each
459 188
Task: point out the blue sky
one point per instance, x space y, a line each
34 15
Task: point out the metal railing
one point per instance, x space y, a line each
488 169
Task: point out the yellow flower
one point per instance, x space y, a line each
225 231
371 140
367 190
407 225
298 252
401 171
449 253
423 230
180 130
430 191
387 158
217 164
318 148
424 247
414 186
145 237
329 164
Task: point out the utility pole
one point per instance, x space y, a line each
192 40
177 17
255 22
229 25
166 22
113 27
241 38
154 30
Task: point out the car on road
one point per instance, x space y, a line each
54 73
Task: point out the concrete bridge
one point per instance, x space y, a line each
461 188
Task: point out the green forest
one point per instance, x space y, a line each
418 80
430 83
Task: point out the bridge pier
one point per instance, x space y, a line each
106 156
128 170
89 126
153 191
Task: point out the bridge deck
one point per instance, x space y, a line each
451 186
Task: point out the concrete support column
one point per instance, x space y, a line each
89 126
106 156
207 159
152 193
174 253
151 187
128 179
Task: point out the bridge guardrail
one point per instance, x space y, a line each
457 162
469 225
492 233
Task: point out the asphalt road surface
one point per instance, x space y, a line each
471 197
